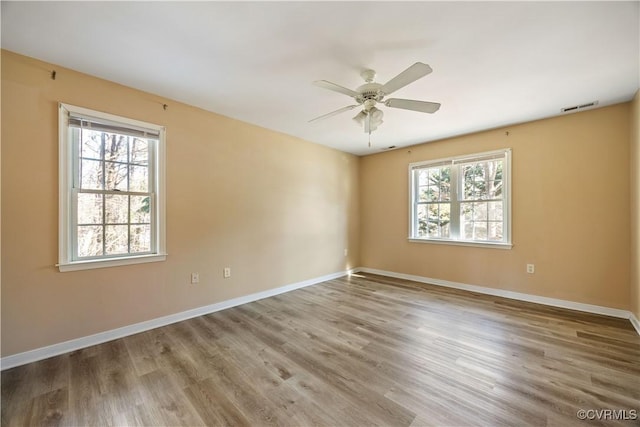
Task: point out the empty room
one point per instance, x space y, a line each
320 213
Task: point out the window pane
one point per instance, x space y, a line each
433 193
483 180
432 220
495 231
116 176
495 211
91 146
480 211
434 175
140 209
139 178
116 209
89 208
444 219
422 220
140 238
89 240
116 239
116 147
466 212
495 189
435 220
478 171
497 170
470 190
423 176
424 195
437 191
467 231
445 184
434 185
480 230
493 178
139 151
474 181
91 175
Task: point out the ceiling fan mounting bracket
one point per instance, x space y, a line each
368 75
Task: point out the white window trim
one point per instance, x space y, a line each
65 181
506 244
477 244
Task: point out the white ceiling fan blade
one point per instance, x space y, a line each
409 75
336 88
333 113
409 104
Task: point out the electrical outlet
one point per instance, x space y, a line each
531 268
346 251
195 278
226 273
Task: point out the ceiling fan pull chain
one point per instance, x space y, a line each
368 126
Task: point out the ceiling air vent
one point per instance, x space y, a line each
579 107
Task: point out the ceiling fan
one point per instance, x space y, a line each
372 93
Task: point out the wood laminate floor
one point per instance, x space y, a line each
357 351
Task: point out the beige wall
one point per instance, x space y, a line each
570 211
278 210
275 209
635 205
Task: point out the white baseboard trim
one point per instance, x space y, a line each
14 360
634 322
595 309
99 338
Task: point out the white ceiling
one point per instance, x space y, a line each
494 63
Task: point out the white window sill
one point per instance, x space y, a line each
111 262
492 245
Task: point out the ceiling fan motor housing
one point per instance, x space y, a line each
370 91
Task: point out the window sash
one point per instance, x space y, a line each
75 224
103 125
75 136
461 184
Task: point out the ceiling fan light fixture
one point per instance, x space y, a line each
374 126
375 118
359 118
376 115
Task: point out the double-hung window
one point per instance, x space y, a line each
462 200
111 190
